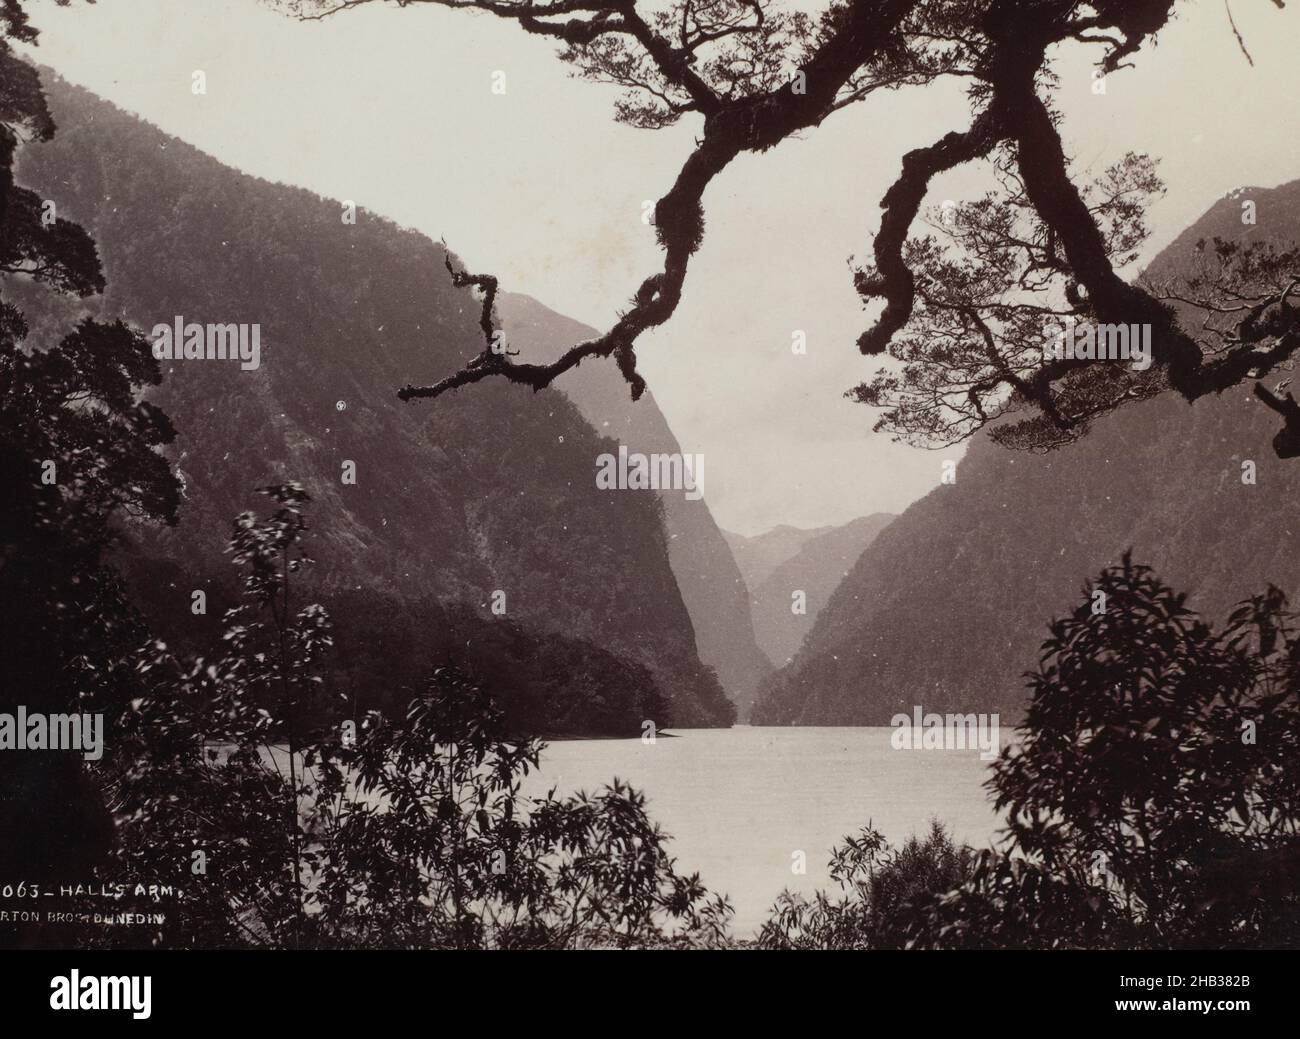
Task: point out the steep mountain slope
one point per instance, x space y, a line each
485 491
948 606
758 556
711 585
815 570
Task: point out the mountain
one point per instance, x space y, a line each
483 498
758 556
710 583
816 570
947 607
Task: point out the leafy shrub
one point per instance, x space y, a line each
369 834
877 885
1152 801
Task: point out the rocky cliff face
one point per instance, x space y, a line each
711 585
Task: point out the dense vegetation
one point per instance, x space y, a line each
77 449
1152 801
370 832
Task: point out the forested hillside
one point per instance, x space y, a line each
948 606
453 501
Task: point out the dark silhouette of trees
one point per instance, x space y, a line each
756 74
1238 297
992 282
877 886
282 831
77 449
1153 800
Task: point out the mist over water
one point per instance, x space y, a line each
739 802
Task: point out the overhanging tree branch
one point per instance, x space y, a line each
737 63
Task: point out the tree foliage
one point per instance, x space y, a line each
78 448
1153 799
991 283
367 832
877 888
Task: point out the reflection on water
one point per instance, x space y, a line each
739 802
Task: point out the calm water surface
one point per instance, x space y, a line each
739 802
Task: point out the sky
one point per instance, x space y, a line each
395 109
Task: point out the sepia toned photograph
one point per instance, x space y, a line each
680 475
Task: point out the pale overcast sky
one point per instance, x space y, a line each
393 108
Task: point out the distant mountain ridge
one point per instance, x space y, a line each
758 555
482 497
815 571
948 606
